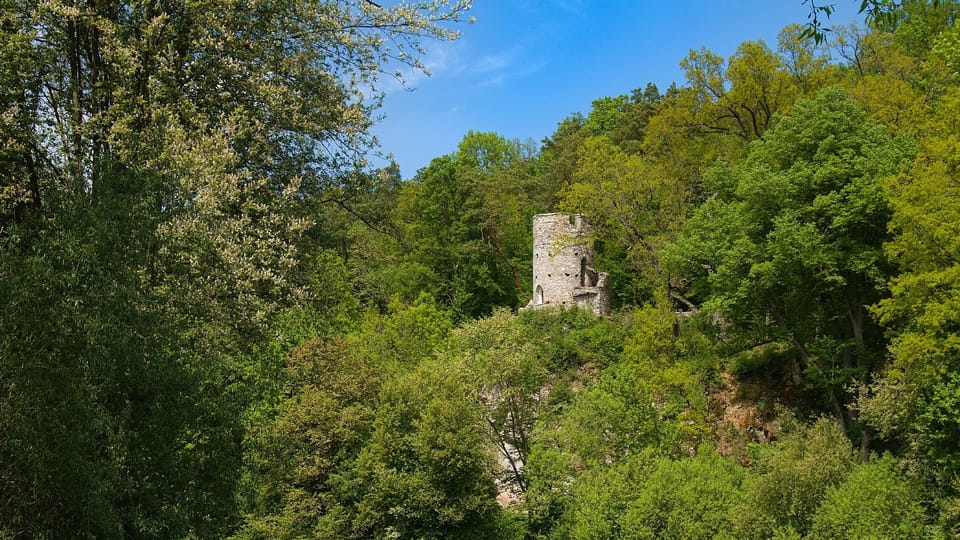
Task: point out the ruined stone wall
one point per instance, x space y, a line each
563 272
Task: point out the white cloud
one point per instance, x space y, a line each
493 63
475 68
438 60
502 76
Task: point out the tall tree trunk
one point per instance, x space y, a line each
74 56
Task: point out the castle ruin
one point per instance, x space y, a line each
563 272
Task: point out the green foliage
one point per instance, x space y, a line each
875 501
548 499
741 97
522 368
648 497
331 309
617 417
629 198
559 155
377 438
913 403
790 479
587 460
686 498
640 191
509 375
791 249
424 473
464 225
406 334
216 320
917 25
570 338
320 428
155 170
805 61
135 434
885 14
601 498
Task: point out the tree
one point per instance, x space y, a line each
464 225
687 498
885 80
914 401
442 217
633 200
641 192
509 376
790 249
407 334
511 195
601 464
790 480
158 157
647 404
875 501
742 97
293 459
622 120
425 472
806 62
883 13
301 453
521 368
559 155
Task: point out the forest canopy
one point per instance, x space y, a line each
219 320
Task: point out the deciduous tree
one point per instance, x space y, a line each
791 247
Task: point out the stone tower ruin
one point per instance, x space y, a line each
563 272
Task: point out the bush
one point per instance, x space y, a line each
686 499
874 502
791 478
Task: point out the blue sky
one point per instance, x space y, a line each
524 65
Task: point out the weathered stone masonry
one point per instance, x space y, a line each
563 272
